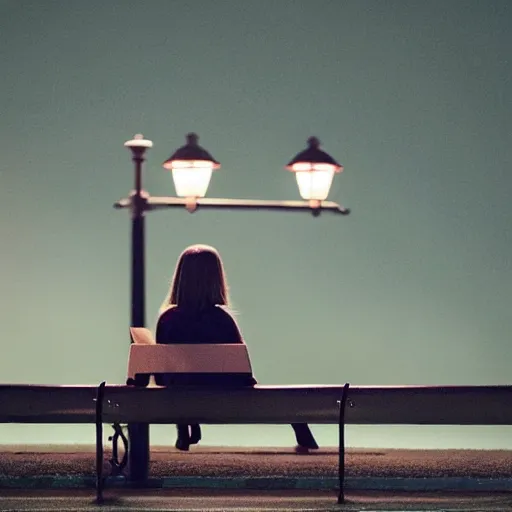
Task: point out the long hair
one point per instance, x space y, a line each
199 280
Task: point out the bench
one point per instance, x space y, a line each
217 404
341 405
131 404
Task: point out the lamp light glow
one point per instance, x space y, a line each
191 180
314 170
191 167
314 184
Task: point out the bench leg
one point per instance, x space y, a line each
116 465
341 447
99 442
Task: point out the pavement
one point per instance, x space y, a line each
251 501
33 461
61 477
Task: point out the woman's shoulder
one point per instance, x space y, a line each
223 311
176 313
169 324
169 314
167 311
224 317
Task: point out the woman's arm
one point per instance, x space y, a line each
168 327
232 333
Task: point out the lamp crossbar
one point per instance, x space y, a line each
164 202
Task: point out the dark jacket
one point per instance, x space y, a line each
211 325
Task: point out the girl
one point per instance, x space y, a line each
195 311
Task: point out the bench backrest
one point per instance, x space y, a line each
189 358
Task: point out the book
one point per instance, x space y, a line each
142 336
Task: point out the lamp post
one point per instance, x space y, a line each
192 167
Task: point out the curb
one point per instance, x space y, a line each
268 483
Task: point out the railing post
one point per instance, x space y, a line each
341 446
99 442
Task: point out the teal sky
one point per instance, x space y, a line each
412 97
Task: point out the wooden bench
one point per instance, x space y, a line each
222 360
368 405
129 404
341 405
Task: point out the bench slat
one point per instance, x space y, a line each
426 405
189 358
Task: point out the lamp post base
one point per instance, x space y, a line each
138 455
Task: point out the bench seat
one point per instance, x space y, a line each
414 405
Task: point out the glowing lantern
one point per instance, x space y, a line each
191 167
314 170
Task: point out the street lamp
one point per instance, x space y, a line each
192 167
314 170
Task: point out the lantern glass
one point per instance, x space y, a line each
191 177
314 180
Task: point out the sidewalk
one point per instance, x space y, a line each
160 500
73 466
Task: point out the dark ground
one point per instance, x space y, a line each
78 460
31 463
